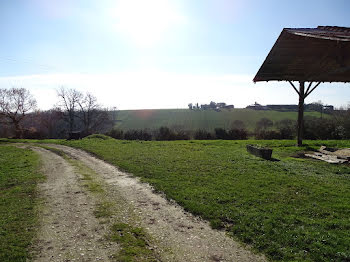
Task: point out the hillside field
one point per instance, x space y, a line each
190 120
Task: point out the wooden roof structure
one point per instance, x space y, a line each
313 55
319 54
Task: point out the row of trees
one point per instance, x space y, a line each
74 111
82 112
77 111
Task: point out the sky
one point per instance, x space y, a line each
138 54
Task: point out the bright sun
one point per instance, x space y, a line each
146 21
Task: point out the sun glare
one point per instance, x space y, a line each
146 22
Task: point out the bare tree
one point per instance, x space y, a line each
15 103
94 118
82 111
49 122
89 111
69 102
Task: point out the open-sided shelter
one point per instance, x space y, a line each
313 55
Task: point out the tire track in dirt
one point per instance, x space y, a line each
68 231
179 236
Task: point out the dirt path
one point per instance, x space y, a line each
70 231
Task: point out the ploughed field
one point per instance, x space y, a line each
292 209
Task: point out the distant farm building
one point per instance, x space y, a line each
310 107
328 108
211 105
205 107
223 105
220 105
256 106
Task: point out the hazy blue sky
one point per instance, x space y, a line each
156 53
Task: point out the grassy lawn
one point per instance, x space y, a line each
18 179
291 210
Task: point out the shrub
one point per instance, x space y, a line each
97 136
221 133
232 134
287 128
237 134
116 133
32 133
318 128
138 135
203 135
145 135
182 135
131 135
267 134
264 123
164 133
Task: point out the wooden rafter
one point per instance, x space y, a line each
296 90
313 55
308 88
309 92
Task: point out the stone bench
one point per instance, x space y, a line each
262 152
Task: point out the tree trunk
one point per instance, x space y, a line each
71 122
18 130
301 113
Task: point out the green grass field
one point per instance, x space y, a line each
18 218
292 210
190 120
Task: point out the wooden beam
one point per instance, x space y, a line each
301 113
296 90
308 93
308 88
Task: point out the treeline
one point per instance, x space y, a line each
335 127
75 112
53 124
80 114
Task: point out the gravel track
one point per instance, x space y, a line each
70 229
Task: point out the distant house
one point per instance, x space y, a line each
328 108
220 105
256 106
212 105
205 106
309 107
313 107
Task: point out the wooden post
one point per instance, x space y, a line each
301 113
